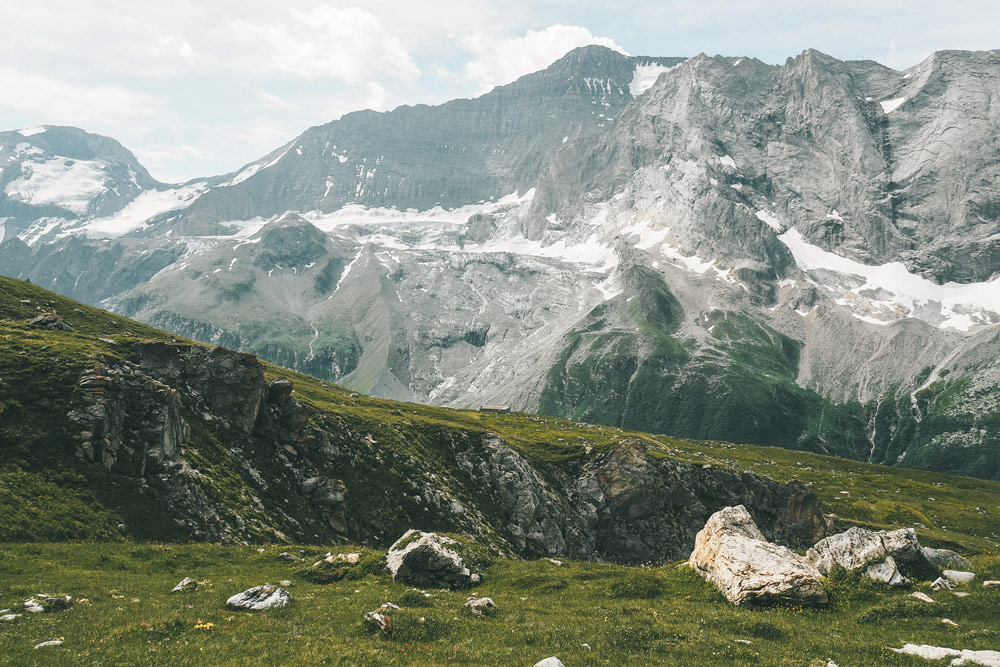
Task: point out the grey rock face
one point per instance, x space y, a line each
260 598
461 152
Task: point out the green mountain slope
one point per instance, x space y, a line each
185 441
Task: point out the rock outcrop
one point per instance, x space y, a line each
138 418
733 554
50 321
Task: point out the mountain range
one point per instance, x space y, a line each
803 255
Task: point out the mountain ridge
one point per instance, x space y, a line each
822 284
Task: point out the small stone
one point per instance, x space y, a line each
285 582
948 621
378 620
288 557
481 606
9 617
186 584
941 584
990 583
260 598
958 577
557 563
54 642
549 662
47 603
743 641
960 594
923 597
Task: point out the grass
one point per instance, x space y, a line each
659 616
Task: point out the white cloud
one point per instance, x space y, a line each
500 57
54 101
342 43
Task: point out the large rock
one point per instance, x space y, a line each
945 558
859 548
425 559
731 552
260 598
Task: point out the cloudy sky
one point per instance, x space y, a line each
201 87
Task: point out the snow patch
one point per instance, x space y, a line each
144 207
728 161
356 214
951 305
30 131
769 220
888 106
69 184
644 77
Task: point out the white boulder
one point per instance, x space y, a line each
185 584
858 548
731 552
260 598
958 577
550 662
426 560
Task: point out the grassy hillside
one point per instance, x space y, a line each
45 493
69 528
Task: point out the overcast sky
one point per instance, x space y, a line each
201 87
